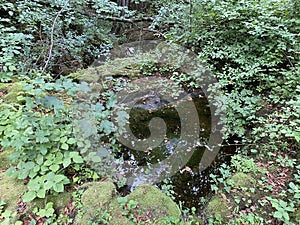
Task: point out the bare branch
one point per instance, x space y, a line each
125 20
52 36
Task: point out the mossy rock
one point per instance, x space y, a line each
98 194
295 216
10 190
119 67
152 204
103 196
120 220
218 206
242 180
12 91
60 200
103 191
4 161
152 201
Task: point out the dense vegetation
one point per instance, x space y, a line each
251 47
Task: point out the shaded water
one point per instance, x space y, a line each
189 183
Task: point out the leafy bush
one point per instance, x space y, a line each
251 47
40 132
58 36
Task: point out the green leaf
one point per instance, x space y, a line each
107 127
40 159
60 177
65 146
48 185
63 139
58 187
71 141
54 167
277 215
102 152
66 162
41 193
29 196
34 185
36 169
11 172
76 157
122 118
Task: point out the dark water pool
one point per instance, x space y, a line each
189 184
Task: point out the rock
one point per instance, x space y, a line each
242 180
5 163
101 191
295 216
126 67
218 206
11 91
98 195
10 190
60 200
157 204
100 203
120 221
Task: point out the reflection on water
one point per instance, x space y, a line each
189 183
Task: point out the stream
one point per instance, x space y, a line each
189 184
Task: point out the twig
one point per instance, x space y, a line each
154 31
287 57
125 20
52 36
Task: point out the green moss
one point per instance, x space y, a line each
152 204
97 194
153 201
242 180
118 67
12 90
60 200
120 220
4 161
218 206
10 190
88 75
295 216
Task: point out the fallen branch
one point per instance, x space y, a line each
52 36
125 20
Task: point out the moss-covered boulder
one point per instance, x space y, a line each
218 206
242 180
295 216
97 195
11 91
59 200
154 203
126 67
10 190
120 220
4 161
221 207
100 204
